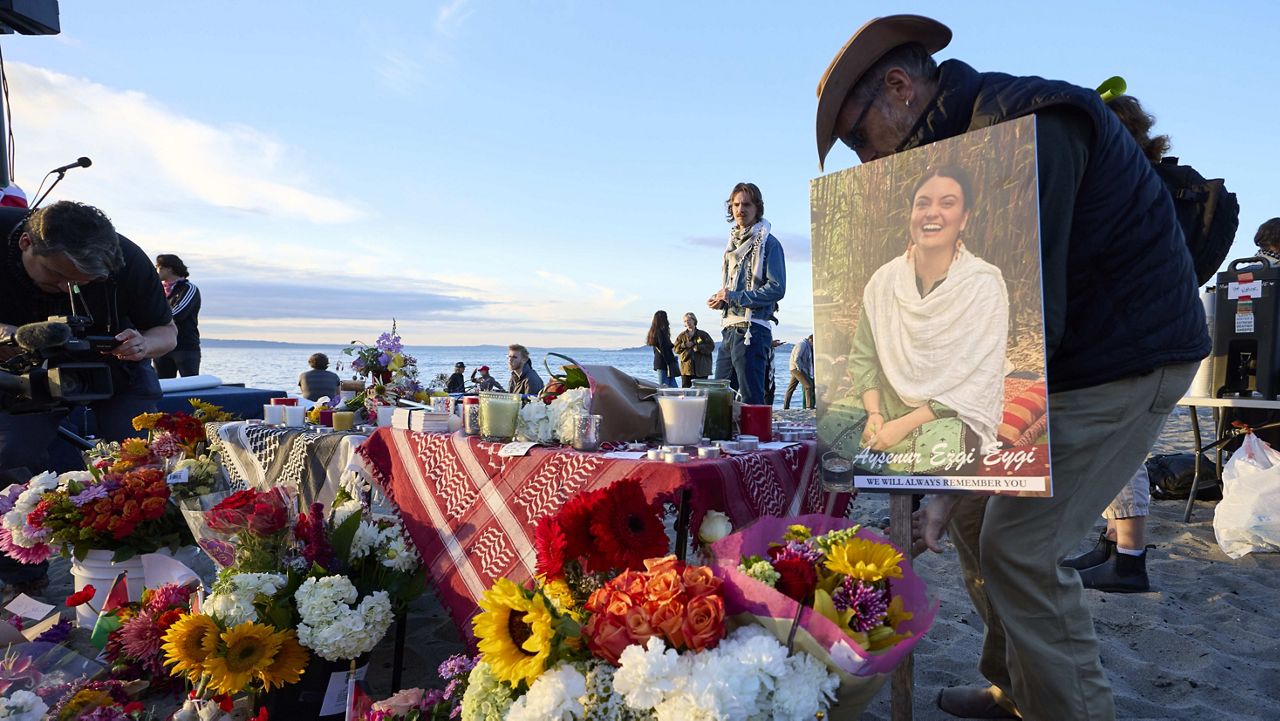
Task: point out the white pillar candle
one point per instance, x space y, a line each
295 416
682 418
273 414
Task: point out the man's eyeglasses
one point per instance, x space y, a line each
856 137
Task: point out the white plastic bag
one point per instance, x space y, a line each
1248 517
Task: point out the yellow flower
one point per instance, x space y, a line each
823 604
84 701
146 421
865 560
188 643
250 649
514 632
797 532
561 597
289 663
897 614
208 412
397 362
134 449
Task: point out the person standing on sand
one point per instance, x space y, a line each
695 349
1113 375
184 304
753 279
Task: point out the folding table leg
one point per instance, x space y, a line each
1195 478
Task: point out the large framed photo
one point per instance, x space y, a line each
928 319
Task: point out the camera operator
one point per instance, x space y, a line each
67 259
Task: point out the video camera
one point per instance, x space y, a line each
55 366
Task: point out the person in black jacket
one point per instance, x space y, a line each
1121 349
664 355
184 304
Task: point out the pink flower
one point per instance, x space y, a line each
401 703
166 445
36 554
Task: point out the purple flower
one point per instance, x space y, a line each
795 550
456 665
433 697
9 497
92 493
384 359
870 604
57 633
389 343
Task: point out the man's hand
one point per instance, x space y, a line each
718 301
930 522
133 345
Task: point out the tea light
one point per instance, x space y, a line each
295 416
727 446
709 452
655 454
254 421
637 447
677 457
748 443
273 414
323 429
343 420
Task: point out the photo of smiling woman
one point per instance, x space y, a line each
928 356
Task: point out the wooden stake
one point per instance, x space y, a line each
903 683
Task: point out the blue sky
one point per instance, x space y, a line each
547 173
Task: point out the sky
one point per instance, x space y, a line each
546 173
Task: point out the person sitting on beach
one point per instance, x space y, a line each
485 382
319 382
695 349
1114 374
524 379
457 382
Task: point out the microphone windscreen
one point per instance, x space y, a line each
84 162
42 336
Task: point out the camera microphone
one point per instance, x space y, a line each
81 162
42 336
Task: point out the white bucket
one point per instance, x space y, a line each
98 571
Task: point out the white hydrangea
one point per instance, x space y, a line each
486 698
331 627
234 595
537 422
569 405
22 706
555 696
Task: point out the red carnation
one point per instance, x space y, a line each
797 578
84 595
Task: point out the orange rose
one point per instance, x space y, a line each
704 622
631 583
606 638
669 618
638 624
658 565
699 581
663 586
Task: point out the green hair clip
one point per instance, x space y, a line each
1112 87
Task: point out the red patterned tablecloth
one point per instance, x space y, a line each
471 513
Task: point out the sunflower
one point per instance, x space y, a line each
289 663
865 560
250 648
514 632
188 644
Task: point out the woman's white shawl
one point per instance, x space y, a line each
948 346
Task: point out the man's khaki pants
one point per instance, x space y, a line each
1040 647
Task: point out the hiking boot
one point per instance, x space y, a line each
1125 574
1101 552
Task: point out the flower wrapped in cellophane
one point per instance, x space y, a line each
858 605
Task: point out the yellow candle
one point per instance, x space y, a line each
343 420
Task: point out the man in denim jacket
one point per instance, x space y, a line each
753 280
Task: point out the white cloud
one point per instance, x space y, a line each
141 147
451 16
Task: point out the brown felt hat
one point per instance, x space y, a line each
877 37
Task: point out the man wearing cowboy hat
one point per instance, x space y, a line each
1121 343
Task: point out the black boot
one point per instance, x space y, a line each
1128 574
1102 552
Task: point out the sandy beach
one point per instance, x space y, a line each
1200 645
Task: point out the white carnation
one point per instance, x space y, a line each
344 511
554 696
646 674
569 405
807 688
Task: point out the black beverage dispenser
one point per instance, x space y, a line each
1246 346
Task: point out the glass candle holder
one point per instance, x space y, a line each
471 415
683 411
498 415
586 432
757 421
343 420
837 473
719 423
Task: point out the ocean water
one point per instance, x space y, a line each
278 367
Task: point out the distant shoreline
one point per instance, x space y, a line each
229 343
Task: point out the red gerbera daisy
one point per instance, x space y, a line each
550 544
575 523
627 528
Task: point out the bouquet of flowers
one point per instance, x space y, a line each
220 657
250 529
178 443
853 601
389 371
415 704
135 648
125 511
